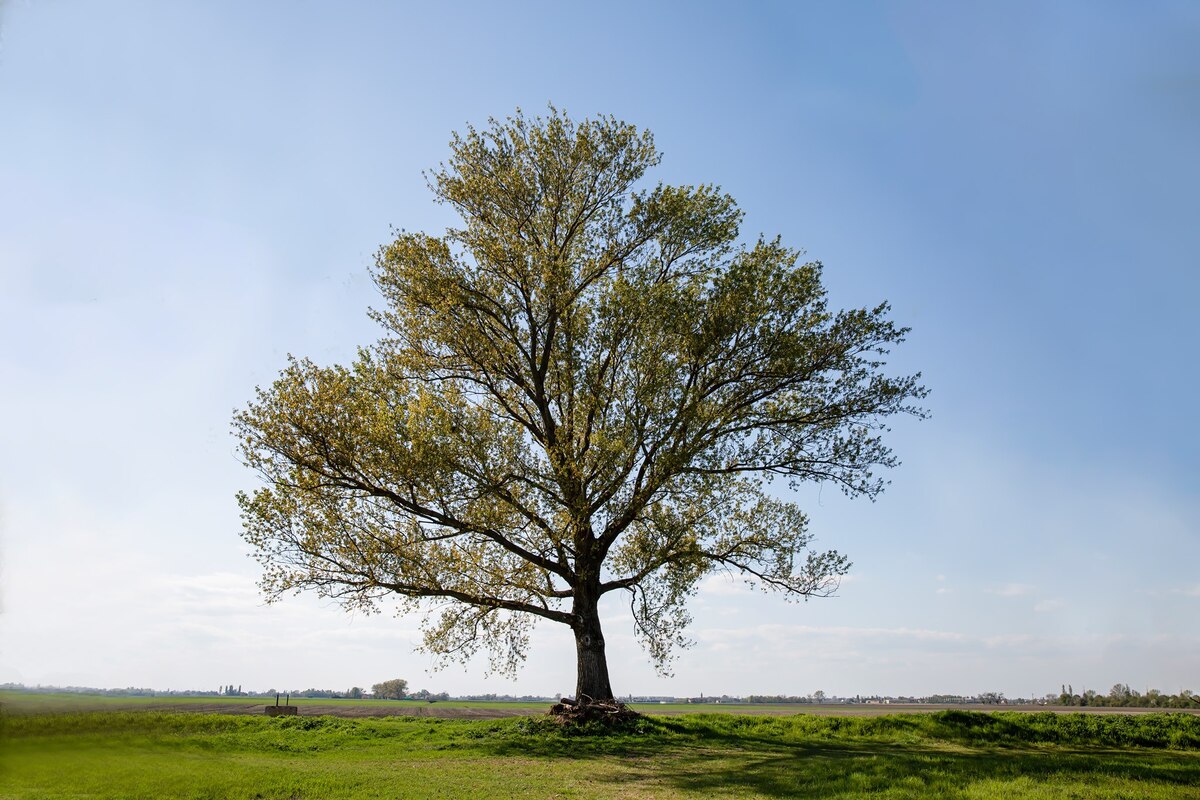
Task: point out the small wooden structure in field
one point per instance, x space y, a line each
285 710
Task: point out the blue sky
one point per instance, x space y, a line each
191 191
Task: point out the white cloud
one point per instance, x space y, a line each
722 584
778 632
1050 605
1013 590
773 658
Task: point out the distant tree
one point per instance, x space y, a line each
394 689
591 386
1122 695
355 693
818 696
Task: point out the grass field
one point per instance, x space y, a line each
949 754
35 703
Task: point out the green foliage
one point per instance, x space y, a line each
1122 696
587 387
394 689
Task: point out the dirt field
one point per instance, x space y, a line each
316 708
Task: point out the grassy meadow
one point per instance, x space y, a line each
948 754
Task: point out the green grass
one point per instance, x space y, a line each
952 754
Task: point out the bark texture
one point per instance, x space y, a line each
591 663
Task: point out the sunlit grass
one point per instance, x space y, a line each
945 755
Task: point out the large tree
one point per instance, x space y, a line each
591 386
394 689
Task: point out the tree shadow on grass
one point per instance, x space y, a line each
714 761
847 770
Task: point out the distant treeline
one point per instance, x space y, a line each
229 690
129 691
1121 696
984 698
353 693
224 691
773 699
507 698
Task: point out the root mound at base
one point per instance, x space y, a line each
608 712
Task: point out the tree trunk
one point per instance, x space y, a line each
592 675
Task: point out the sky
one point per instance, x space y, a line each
191 191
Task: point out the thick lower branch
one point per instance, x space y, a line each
409 590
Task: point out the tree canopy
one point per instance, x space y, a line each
394 689
590 386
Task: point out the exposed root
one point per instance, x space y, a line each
586 710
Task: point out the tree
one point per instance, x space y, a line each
394 689
355 693
589 387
